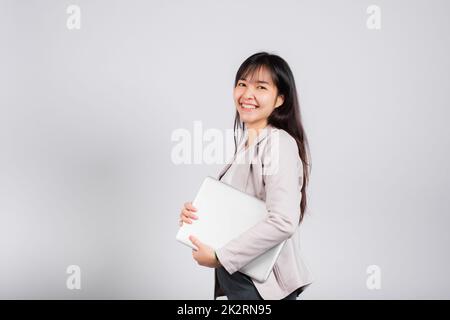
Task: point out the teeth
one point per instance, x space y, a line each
248 106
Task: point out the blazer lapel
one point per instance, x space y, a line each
254 153
246 167
240 144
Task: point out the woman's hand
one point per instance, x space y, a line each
187 213
205 255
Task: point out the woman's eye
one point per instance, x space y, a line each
243 84
240 84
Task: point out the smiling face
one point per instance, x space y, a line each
255 97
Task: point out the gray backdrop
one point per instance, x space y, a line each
86 118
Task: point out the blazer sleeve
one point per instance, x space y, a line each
283 182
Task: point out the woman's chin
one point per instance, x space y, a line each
247 120
247 116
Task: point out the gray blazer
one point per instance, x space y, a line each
274 174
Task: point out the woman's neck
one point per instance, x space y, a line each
253 132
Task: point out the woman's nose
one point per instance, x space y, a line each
248 94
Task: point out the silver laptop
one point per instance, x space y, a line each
224 213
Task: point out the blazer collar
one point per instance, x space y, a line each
261 136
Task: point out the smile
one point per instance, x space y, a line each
248 106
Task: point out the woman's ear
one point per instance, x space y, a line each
280 101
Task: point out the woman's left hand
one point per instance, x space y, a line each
204 255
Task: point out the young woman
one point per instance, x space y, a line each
273 141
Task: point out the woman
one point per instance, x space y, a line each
273 140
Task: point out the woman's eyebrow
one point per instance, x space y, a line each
259 81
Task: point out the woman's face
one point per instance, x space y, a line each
255 98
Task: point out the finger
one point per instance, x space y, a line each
193 216
195 241
187 220
189 214
190 206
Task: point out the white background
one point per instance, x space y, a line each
86 118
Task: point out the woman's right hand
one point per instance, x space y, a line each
187 213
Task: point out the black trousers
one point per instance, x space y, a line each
239 286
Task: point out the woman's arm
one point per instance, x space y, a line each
283 181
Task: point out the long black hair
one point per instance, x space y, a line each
287 116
